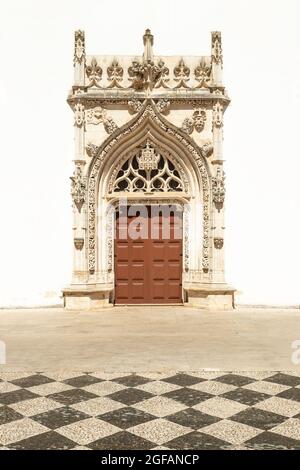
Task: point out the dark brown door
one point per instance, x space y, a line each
148 266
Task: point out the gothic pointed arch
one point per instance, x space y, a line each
166 139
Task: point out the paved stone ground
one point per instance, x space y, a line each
170 410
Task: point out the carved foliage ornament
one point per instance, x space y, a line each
218 187
94 73
197 122
181 73
78 185
217 117
202 74
99 115
91 149
147 75
115 74
79 52
78 114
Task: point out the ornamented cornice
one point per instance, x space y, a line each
79 51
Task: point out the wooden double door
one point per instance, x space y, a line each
148 256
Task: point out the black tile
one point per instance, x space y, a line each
8 414
235 379
61 417
123 441
132 380
290 394
130 396
69 397
32 381
192 418
47 441
82 381
197 441
284 379
247 397
183 380
8 398
256 418
188 396
271 441
126 417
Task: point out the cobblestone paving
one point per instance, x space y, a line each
174 410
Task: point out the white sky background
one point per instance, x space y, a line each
261 42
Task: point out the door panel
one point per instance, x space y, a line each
149 270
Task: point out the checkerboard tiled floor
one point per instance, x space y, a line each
195 410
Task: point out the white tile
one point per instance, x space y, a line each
289 428
88 430
97 406
281 406
159 430
220 407
160 406
35 406
230 431
12 432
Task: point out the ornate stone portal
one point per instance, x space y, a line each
149 129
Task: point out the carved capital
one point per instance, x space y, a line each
78 243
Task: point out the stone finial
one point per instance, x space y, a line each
148 43
79 50
216 48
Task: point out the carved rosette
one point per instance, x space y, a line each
78 114
218 188
78 186
216 48
79 51
94 73
218 243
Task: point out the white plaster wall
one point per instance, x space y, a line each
261 147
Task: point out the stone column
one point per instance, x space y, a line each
218 196
79 197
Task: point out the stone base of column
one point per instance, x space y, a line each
87 297
210 296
